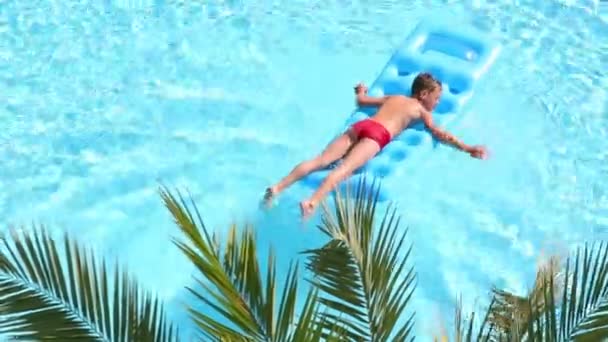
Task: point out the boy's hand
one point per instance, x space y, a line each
360 88
479 152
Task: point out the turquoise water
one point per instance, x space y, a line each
101 100
602 10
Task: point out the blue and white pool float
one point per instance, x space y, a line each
457 56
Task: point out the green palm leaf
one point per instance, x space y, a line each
360 271
583 313
464 328
571 306
233 285
511 314
48 293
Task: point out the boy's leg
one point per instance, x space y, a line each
363 151
334 151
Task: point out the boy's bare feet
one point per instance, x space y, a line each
269 196
307 208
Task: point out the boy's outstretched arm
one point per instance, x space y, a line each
365 100
446 137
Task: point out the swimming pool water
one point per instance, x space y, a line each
100 100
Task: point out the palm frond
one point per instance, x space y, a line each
233 284
360 271
48 293
466 329
568 304
511 313
510 317
322 329
583 315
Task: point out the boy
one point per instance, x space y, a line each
363 140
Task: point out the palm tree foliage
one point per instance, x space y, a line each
363 272
235 288
568 303
362 285
52 293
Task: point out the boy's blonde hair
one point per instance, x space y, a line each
424 81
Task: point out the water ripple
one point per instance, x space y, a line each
102 99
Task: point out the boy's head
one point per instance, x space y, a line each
427 90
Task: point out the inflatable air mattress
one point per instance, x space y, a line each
457 56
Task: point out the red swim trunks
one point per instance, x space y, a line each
371 129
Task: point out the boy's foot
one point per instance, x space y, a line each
269 196
307 208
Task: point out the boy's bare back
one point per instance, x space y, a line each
397 112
